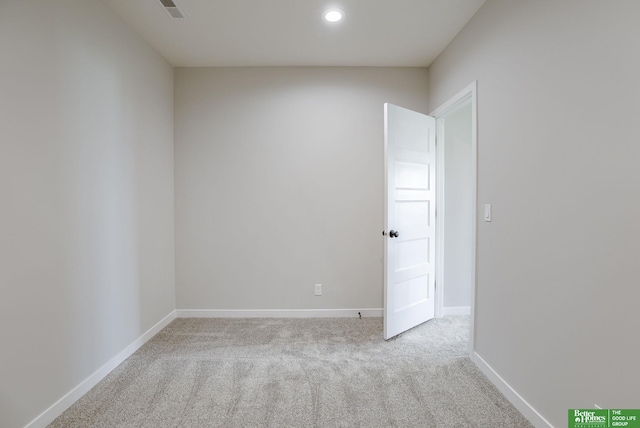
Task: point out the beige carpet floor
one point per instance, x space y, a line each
297 373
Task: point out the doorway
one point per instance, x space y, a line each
409 204
456 123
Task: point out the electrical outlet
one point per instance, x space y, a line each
318 289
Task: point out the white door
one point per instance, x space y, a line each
409 235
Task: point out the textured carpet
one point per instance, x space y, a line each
297 373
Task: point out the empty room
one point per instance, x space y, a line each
319 213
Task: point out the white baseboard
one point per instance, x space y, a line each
456 310
516 399
278 313
72 396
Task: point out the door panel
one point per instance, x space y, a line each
411 216
410 211
412 176
411 254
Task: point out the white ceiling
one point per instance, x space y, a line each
292 32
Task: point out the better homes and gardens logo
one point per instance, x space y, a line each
589 418
604 418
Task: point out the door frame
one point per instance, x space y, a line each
469 93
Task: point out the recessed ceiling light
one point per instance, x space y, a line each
333 15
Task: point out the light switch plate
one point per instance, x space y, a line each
487 212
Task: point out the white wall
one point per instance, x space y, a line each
557 277
86 191
279 184
458 209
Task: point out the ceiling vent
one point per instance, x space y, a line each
172 9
